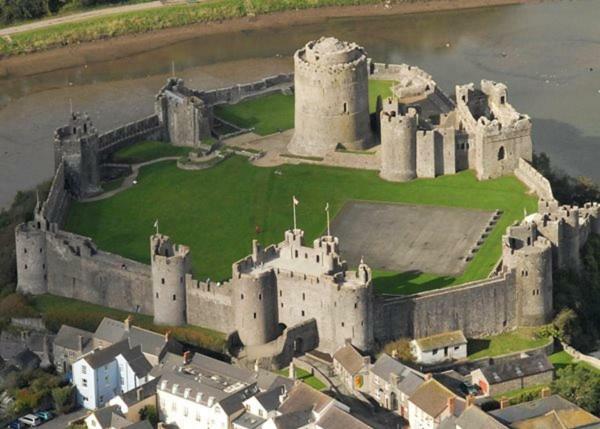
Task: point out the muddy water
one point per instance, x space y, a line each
548 54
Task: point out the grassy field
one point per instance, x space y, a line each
147 151
216 211
509 342
275 112
304 376
57 311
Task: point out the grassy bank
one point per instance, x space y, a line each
57 311
510 342
216 211
147 151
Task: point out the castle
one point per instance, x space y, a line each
290 298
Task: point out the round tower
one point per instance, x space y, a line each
398 145
355 309
30 241
569 241
331 86
170 264
533 270
255 307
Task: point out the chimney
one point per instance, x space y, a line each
545 393
470 400
428 376
187 357
167 336
451 405
292 371
504 402
128 322
138 394
80 342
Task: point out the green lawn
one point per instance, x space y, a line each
216 211
304 376
275 112
509 342
147 151
57 311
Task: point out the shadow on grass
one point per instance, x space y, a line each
409 282
477 345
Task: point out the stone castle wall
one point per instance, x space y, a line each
236 93
209 305
56 206
148 128
479 308
532 178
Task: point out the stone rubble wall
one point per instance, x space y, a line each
56 206
129 134
527 174
236 93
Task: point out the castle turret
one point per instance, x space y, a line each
331 98
529 255
30 248
170 264
76 144
569 243
398 145
255 303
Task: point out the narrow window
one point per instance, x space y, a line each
318 259
280 293
501 153
502 100
156 295
260 296
174 297
302 312
356 305
345 107
342 324
24 250
162 281
303 296
296 253
242 296
255 315
25 266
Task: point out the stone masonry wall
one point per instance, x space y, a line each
129 134
56 206
236 93
527 174
77 269
478 308
209 305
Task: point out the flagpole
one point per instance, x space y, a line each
328 225
294 207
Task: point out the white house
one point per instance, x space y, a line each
203 392
440 348
431 404
104 373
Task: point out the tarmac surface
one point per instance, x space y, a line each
399 237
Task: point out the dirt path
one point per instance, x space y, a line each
80 16
129 180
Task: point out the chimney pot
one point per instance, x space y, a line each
451 405
470 400
186 357
139 394
80 342
504 402
545 393
128 322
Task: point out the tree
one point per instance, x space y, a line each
568 327
579 385
400 349
19 10
149 413
64 398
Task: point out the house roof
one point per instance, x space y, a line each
408 379
144 391
268 380
334 418
142 424
518 368
540 407
294 419
432 397
269 400
349 358
136 360
100 357
110 417
248 421
474 418
303 397
68 337
446 339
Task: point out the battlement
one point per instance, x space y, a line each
162 247
79 126
412 82
330 54
393 113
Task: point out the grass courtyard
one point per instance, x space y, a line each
275 112
216 212
520 339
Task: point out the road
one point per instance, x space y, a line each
80 16
61 422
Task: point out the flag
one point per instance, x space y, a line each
156 223
327 207
295 200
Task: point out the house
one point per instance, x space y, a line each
104 373
200 391
351 366
472 418
69 344
516 374
130 403
111 418
431 404
391 384
547 412
440 348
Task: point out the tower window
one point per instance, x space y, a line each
303 296
318 258
174 298
282 305
345 107
242 296
24 250
181 280
296 253
342 324
280 293
303 313
501 153
25 266
503 99
162 281
255 315
156 295
356 305
260 296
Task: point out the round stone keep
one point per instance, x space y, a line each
331 85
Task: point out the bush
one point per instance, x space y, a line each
15 305
400 349
579 385
20 10
64 399
149 413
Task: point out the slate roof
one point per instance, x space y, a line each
142 424
268 380
303 397
269 400
100 357
349 358
146 390
68 337
334 418
439 341
248 421
474 418
136 360
110 417
515 369
540 407
294 419
409 380
432 397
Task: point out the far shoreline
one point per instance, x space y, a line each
123 46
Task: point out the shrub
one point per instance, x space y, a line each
20 10
149 413
64 399
400 349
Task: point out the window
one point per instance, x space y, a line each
434 351
302 312
345 107
318 259
501 153
255 315
303 296
342 324
181 280
282 305
259 296
162 281
185 411
156 295
25 266
280 293
242 296
84 382
174 297
24 250
503 99
296 253
456 347
84 369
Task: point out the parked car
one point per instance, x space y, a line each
45 415
31 420
16 425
